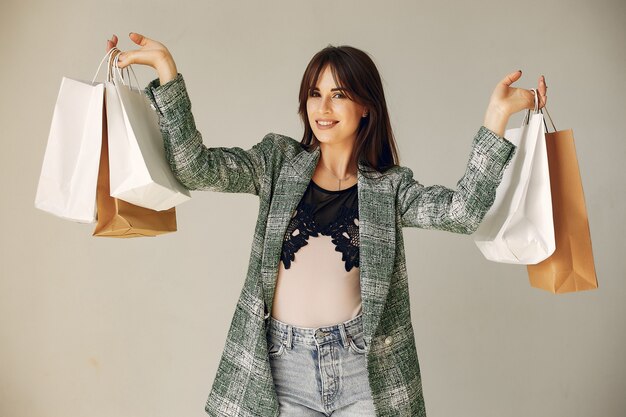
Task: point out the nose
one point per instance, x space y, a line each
325 105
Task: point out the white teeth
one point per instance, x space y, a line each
325 123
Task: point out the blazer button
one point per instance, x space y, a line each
388 340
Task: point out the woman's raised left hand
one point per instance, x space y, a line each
506 101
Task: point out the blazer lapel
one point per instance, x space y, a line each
376 232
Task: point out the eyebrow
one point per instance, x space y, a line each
332 89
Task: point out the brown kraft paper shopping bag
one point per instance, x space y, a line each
571 267
117 218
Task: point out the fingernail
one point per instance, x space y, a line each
130 33
519 70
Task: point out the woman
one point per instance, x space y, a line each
322 325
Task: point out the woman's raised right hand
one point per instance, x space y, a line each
151 53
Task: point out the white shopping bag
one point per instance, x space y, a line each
518 228
69 173
139 171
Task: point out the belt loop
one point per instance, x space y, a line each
345 338
288 342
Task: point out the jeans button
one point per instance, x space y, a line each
388 340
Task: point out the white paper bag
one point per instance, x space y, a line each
519 228
69 174
139 171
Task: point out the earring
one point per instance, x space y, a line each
365 114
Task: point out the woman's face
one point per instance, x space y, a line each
333 117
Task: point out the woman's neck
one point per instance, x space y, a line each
332 171
336 159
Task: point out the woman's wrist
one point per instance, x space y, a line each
496 120
166 69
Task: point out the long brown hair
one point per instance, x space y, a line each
353 69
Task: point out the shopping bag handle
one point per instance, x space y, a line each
535 110
120 72
538 110
544 120
107 56
113 56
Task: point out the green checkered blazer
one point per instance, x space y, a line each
277 169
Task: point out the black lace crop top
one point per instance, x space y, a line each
331 213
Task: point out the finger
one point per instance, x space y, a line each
137 56
138 39
542 89
511 78
530 97
111 43
124 59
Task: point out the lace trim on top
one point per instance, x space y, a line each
344 232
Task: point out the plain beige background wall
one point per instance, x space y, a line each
106 327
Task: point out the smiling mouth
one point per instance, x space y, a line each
326 123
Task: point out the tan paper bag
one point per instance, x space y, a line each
117 218
571 267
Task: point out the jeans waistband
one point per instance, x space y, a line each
290 335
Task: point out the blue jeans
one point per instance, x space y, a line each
320 371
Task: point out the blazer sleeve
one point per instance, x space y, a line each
197 167
460 210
